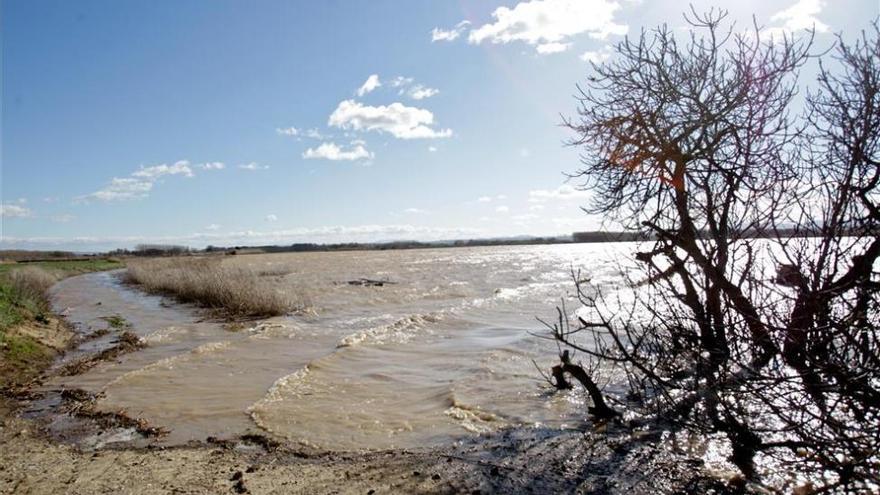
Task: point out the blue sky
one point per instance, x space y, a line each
263 122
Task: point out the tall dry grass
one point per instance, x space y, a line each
30 286
236 291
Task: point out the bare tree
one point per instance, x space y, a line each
696 144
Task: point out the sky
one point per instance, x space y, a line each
212 122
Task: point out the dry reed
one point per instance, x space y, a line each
30 286
234 291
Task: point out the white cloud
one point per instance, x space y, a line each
152 173
597 56
536 207
432 149
438 34
564 192
271 218
370 84
287 131
139 184
253 166
484 199
400 121
550 22
415 210
419 92
502 209
501 196
314 134
213 226
331 151
400 81
798 17
555 47
121 189
15 211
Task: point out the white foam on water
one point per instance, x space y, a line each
164 335
399 332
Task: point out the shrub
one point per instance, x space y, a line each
235 291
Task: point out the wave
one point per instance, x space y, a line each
164 335
474 419
271 331
169 362
399 332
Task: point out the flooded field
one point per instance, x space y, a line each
442 352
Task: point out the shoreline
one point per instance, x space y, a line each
521 460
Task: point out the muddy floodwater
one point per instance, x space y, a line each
442 353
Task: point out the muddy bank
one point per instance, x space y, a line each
513 462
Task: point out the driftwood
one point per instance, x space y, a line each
366 282
600 409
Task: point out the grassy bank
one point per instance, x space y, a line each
29 334
234 292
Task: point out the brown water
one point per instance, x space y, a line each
443 353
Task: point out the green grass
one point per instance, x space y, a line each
67 268
23 299
116 322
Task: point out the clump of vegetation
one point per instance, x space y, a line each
23 295
116 322
233 291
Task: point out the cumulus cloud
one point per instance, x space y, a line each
139 184
438 34
253 166
400 121
400 81
432 149
415 210
369 85
331 151
484 199
271 218
121 189
799 17
156 171
419 92
314 134
597 56
564 192
545 48
547 24
287 131
15 211
212 226
502 209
